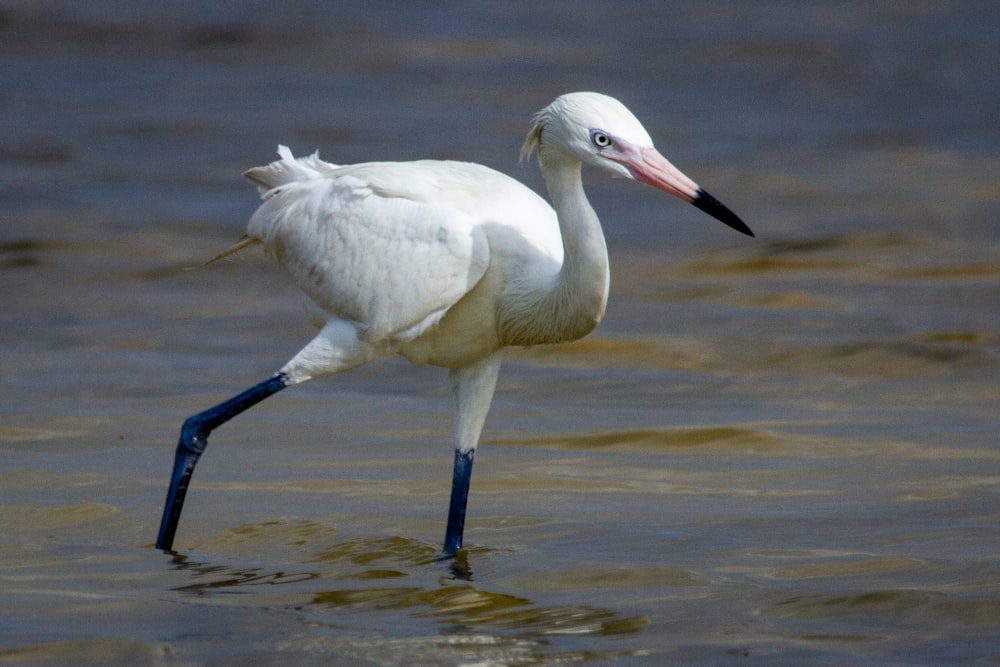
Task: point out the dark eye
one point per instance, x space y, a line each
600 139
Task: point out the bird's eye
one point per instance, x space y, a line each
600 139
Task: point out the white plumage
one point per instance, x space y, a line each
390 247
444 263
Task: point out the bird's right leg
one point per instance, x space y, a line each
472 391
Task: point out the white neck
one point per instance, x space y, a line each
574 304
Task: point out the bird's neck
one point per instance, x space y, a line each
574 304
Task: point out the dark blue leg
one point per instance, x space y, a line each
459 500
194 439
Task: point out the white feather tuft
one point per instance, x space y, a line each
288 169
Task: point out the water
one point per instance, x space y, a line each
773 451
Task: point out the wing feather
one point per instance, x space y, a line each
393 265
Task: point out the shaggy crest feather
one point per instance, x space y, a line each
288 170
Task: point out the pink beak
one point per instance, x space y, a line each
647 166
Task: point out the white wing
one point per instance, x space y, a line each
390 264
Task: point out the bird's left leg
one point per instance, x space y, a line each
337 347
194 439
472 392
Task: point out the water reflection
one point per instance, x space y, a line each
227 580
395 574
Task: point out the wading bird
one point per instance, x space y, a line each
443 263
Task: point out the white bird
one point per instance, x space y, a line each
444 263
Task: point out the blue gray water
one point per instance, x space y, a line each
774 451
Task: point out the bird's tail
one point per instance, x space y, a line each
287 170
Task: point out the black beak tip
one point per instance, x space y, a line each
718 210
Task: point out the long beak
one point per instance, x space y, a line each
647 166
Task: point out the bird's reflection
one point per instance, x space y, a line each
396 574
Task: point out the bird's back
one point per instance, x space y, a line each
391 246
489 196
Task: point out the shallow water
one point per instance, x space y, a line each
773 451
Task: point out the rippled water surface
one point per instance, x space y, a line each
775 451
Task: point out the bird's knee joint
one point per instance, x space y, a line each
194 435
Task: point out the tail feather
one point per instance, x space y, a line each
245 242
287 170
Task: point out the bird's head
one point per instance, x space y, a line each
598 130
